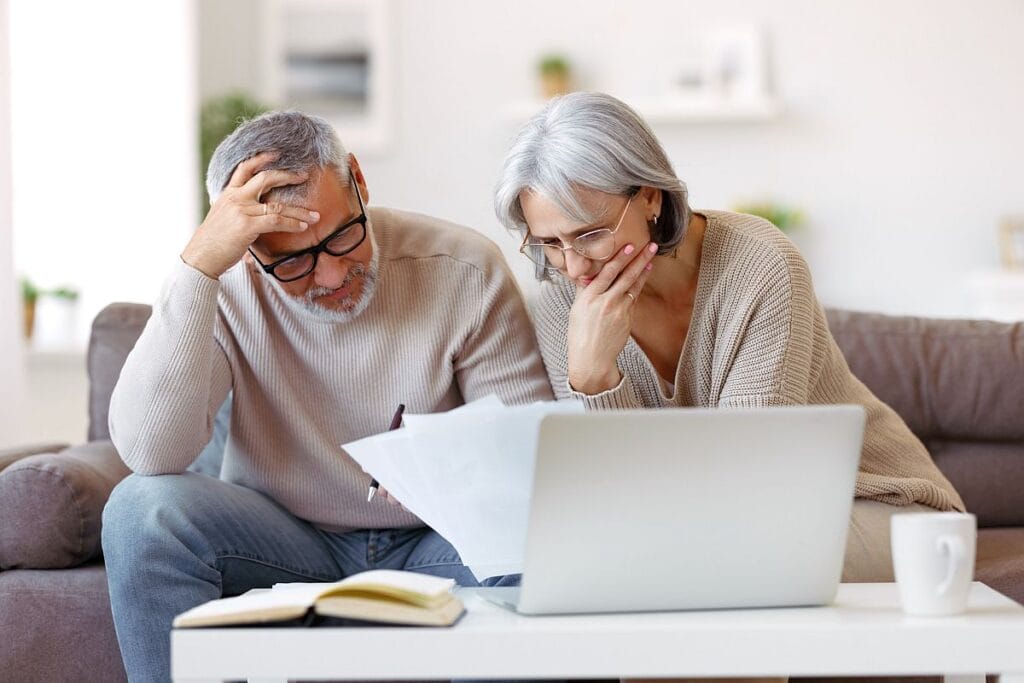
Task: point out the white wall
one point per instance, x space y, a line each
104 157
104 153
901 139
11 371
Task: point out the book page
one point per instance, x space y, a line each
389 611
416 589
253 607
293 600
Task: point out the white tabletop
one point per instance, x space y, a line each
862 633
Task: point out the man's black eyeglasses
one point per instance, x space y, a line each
340 242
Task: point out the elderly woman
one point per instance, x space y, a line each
647 303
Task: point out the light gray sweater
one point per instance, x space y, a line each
446 325
758 337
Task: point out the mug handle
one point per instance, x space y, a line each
954 548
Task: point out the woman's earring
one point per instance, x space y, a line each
652 224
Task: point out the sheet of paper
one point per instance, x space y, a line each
467 474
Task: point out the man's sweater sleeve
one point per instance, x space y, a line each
500 354
173 381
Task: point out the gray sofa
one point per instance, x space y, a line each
959 385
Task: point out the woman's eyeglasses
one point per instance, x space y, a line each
598 245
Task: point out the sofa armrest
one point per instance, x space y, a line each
9 456
51 506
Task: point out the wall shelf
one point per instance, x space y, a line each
681 109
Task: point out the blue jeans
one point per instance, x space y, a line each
172 542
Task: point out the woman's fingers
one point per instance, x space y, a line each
638 285
622 269
635 273
611 269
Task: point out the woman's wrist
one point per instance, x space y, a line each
593 383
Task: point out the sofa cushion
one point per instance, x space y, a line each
9 456
988 475
51 505
1000 561
114 332
949 379
57 626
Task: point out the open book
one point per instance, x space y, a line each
381 595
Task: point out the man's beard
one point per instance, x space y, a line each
350 308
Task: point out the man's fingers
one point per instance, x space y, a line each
275 222
383 493
258 185
248 168
282 209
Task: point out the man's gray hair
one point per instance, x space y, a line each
303 143
592 141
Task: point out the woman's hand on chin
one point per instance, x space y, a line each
601 319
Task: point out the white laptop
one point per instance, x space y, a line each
688 509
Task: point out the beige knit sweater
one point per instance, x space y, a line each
446 325
758 337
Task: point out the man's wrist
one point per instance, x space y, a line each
190 260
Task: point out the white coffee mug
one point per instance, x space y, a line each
933 558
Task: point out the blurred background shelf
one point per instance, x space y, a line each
680 109
996 294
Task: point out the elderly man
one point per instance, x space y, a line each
321 316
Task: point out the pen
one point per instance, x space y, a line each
396 422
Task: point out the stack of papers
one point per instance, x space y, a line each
467 473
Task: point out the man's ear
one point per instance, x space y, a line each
358 177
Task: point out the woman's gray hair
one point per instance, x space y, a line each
303 143
592 141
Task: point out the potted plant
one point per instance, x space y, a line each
30 294
555 76
783 217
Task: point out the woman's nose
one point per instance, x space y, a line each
576 265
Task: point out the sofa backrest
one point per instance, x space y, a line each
959 384
114 332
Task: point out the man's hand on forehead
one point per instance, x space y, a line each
239 217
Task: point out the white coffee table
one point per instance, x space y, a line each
863 633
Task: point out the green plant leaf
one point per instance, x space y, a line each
29 292
783 217
550 65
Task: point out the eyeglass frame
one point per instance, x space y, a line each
610 231
320 247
